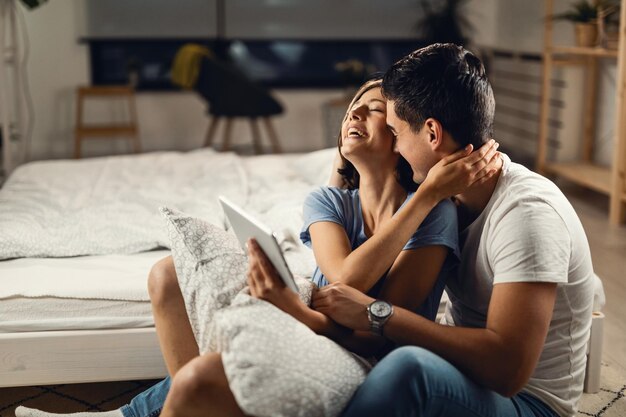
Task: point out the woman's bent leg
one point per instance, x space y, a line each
200 388
412 381
178 344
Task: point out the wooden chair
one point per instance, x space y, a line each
129 129
256 133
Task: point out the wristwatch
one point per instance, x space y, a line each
378 313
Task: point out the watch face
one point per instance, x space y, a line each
380 309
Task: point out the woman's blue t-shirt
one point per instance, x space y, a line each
439 228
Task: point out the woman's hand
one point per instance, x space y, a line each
266 284
344 304
462 170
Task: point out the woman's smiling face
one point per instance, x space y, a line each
365 125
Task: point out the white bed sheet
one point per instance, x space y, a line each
110 205
109 277
80 293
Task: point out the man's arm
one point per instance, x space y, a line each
501 356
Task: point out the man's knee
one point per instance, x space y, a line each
162 281
397 386
409 365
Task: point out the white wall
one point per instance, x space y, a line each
482 16
178 121
517 25
258 19
168 121
57 65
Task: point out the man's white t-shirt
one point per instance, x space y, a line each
529 232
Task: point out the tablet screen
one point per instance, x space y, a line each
245 227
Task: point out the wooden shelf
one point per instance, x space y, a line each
609 180
581 51
589 175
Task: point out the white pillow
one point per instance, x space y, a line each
276 366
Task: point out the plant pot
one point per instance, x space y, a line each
586 34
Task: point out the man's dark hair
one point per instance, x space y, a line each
447 83
351 177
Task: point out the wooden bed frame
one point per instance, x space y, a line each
82 356
79 356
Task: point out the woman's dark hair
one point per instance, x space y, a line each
448 83
404 173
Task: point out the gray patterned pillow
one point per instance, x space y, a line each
276 366
211 269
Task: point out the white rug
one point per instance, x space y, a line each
610 401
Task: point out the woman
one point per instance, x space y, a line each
339 221
338 225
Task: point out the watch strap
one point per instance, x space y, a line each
376 327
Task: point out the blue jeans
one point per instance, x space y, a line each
408 382
150 402
412 381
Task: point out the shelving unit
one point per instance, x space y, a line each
610 181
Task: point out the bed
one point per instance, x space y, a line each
78 238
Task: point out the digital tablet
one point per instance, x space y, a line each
246 227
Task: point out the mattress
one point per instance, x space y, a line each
80 293
24 314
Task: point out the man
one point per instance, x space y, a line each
520 309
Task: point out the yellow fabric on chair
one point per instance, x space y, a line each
187 62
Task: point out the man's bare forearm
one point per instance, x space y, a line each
477 352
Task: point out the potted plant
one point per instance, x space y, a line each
584 15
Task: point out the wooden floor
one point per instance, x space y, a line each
608 250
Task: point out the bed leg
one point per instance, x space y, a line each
594 354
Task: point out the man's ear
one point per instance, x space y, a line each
435 133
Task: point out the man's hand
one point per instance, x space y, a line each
266 284
464 169
344 304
